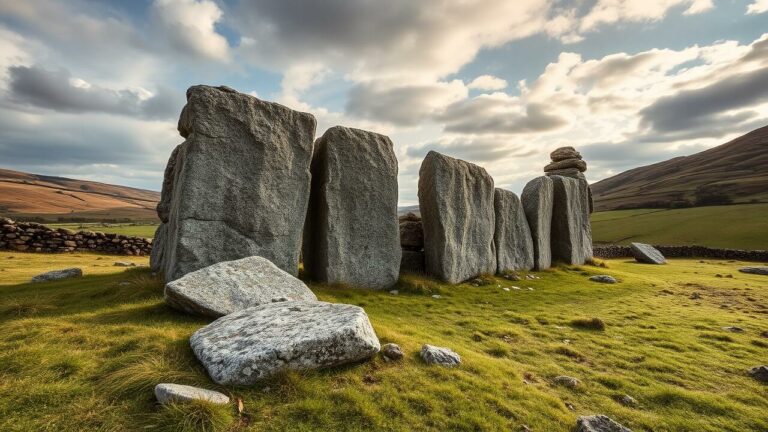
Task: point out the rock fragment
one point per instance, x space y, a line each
647 254
755 270
391 352
439 356
599 423
603 279
58 275
177 393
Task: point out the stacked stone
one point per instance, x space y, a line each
35 237
237 187
412 243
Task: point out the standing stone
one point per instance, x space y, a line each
647 254
257 343
567 162
352 233
456 203
231 286
240 182
571 231
537 203
512 237
158 245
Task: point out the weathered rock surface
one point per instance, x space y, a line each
456 204
755 270
440 356
412 262
603 279
567 381
231 286
158 248
599 423
571 230
58 275
564 153
240 182
391 352
512 237
352 233
759 373
564 164
124 264
537 199
647 254
411 235
178 393
247 346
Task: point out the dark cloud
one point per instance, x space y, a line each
489 114
55 90
693 109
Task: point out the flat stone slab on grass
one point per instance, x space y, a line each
58 275
231 286
179 393
603 279
759 373
647 254
440 356
755 270
259 342
599 423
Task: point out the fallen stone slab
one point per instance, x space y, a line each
755 270
58 275
231 286
647 254
440 356
537 199
456 204
256 343
599 423
239 183
177 393
759 373
603 279
351 234
512 237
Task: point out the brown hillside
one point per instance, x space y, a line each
25 195
734 172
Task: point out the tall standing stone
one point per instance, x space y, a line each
567 162
456 203
240 182
352 233
537 204
571 232
512 237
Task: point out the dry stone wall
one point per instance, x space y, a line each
619 251
35 237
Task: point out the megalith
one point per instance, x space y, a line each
512 237
352 234
567 162
537 204
571 232
240 182
456 203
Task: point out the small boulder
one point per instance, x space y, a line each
124 264
58 275
231 286
759 373
603 279
734 329
627 400
599 423
567 381
178 393
391 352
647 254
755 270
439 356
245 347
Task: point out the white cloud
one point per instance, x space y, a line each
615 11
488 82
757 7
189 26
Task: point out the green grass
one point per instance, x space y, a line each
135 230
84 354
734 226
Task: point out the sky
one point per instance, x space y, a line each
93 89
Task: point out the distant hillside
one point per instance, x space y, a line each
734 172
32 196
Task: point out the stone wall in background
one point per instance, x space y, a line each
35 237
618 251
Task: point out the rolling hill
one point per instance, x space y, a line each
734 172
33 196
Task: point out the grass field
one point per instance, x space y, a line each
84 354
136 230
734 226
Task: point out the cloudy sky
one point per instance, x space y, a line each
92 89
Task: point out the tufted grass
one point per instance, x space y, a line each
84 354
